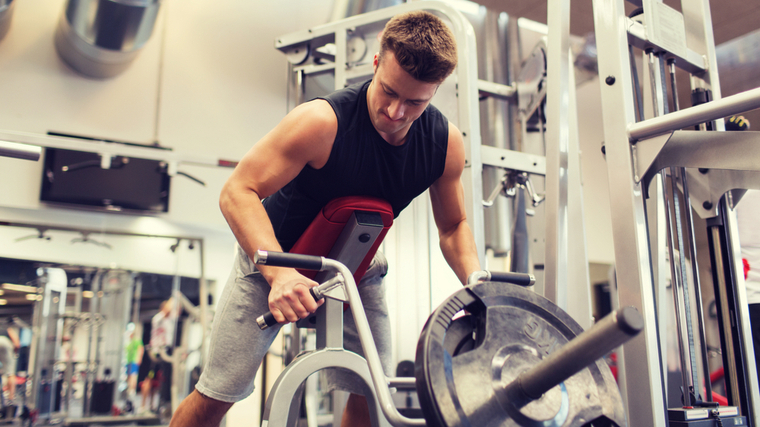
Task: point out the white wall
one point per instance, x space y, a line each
209 83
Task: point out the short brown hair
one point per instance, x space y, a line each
422 44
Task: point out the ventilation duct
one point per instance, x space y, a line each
100 38
347 8
6 13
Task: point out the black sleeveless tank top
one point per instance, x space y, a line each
361 163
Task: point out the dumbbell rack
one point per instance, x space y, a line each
637 149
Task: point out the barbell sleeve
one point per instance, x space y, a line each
612 331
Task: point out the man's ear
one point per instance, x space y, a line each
376 62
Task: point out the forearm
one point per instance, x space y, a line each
249 222
459 250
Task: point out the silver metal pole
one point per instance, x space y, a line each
719 108
203 304
677 281
732 370
379 380
557 152
642 363
20 151
612 331
692 250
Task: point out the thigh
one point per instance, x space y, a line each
237 344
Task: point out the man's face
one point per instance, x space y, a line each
396 99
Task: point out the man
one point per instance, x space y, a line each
161 340
9 345
134 355
381 138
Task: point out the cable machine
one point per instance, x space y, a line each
660 175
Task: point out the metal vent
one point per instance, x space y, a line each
6 13
100 38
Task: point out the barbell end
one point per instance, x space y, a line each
262 324
629 320
260 257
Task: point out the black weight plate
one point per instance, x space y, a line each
461 374
460 336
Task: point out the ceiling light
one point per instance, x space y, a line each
20 288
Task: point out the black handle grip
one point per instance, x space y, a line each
267 319
284 259
519 279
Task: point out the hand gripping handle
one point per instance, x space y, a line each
267 319
283 259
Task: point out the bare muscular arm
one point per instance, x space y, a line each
447 198
303 137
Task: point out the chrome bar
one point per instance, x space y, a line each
606 335
692 254
713 110
404 383
20 151
732 392
497 90
379 380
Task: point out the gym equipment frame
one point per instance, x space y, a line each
341 48
636 150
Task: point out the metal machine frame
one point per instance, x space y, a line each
48 315
283 404
638 150
561 165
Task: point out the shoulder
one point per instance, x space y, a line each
312 128
317 120
314 115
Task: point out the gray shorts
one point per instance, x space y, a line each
238 345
